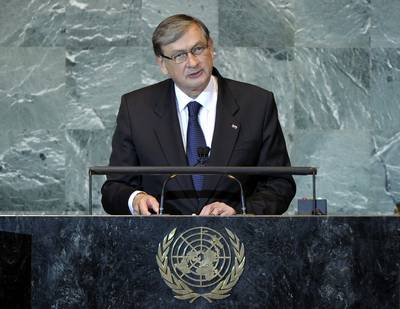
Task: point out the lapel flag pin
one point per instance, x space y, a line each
234 126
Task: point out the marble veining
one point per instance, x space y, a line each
344 187
103 23
332 65
385 30
333 88
385 82
32 172
33 23
291 262
333 24
386 154
271 69
155 10
32 87
257 23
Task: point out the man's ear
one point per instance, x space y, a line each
161 63
211 46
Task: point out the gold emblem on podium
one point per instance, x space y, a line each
200 262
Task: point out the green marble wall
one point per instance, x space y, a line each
333 65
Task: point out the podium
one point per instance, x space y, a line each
15 270
274 262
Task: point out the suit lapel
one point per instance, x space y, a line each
169 136
226 130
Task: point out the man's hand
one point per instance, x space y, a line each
146 204
217 209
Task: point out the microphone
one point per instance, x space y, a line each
203 156
202 153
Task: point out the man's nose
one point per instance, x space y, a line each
192 60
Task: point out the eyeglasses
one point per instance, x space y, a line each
182 56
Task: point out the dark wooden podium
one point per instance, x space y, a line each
287 262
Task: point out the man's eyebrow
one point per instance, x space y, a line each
184 50
178 51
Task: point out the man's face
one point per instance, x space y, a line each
191 76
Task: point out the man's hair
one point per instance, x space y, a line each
173 28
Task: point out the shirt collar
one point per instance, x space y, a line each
204 98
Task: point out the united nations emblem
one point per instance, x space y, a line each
203 263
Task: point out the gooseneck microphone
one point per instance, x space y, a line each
202 153
203 156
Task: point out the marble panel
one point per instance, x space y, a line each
386 156
32 88
154 11
268 68
96 79
332 88
84 149
290 262
256 23
385 23
15 270
385 90
52 101
385 82
103 23
32 166
348 175
32 23
328 23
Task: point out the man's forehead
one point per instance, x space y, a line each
192 36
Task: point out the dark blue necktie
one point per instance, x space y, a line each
195 139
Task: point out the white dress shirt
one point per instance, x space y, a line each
208 100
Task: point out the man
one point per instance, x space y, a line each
164 124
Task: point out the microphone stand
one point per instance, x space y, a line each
203 153
208 170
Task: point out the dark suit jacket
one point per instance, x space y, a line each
148 134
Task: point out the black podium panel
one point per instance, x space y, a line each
15 270
280 262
